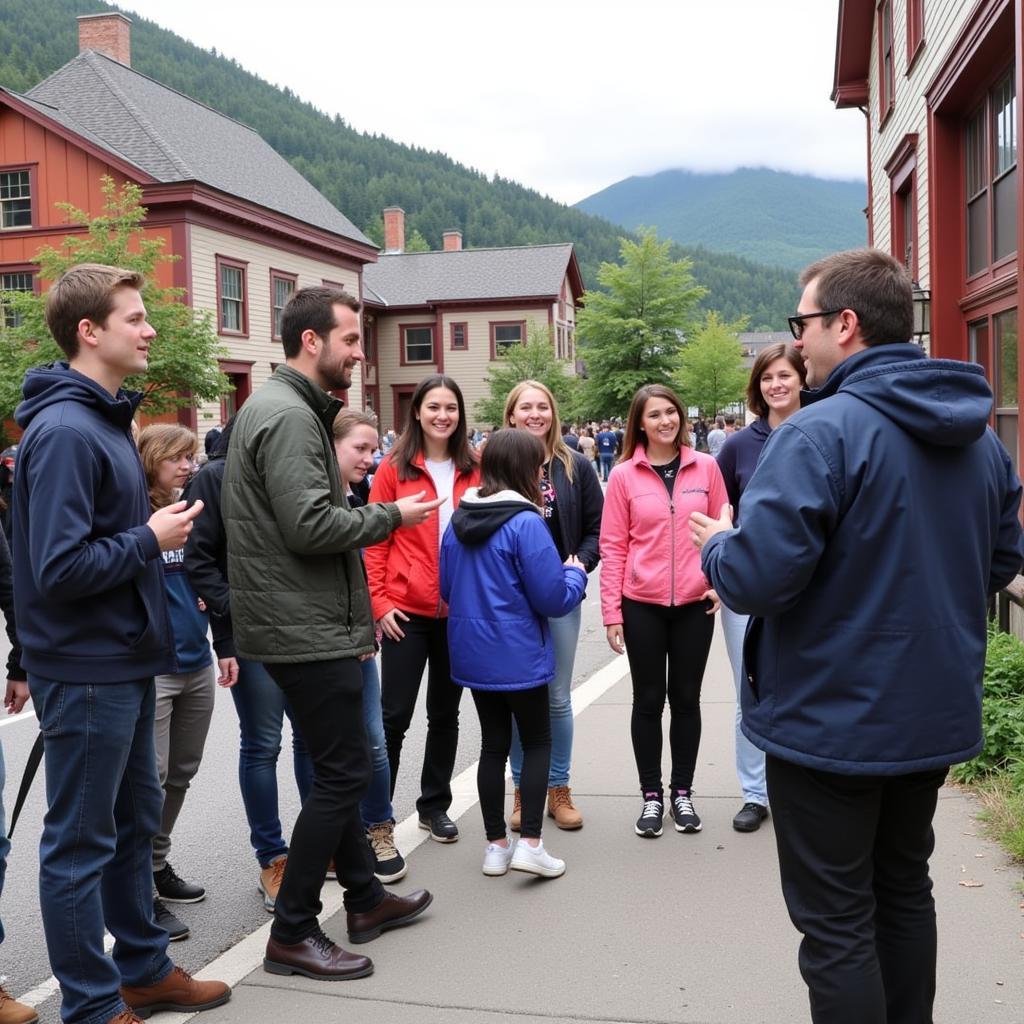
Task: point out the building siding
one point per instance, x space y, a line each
944 20
205 245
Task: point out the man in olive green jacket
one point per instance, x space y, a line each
299 605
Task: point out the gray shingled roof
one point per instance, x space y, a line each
173 138
419 278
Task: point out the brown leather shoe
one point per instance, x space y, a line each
315 957
562 809
178 991
516 818
125 1017
392 912
13 1012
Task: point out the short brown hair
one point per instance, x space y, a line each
84 292
780 350
871 283
312 309
634 436
348 419
511 461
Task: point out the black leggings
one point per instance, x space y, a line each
495 709
402 664
680 635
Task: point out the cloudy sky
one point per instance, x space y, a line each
564 96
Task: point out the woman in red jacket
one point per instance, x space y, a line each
655 601
432 457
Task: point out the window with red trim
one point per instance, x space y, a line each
902 171
15 199
886 69
459 337
282 288
990 176
232 297
15 281
369 340
505 334
915 29
417 343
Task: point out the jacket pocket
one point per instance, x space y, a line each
751 643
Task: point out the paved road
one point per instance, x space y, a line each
211 838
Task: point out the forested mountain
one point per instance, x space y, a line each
788 220
361 173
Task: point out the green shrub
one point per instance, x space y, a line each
1002 709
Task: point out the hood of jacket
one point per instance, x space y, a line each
942 401
57 382
478 518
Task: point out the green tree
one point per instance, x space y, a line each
534 360
631 332
712 374
416 242
183 368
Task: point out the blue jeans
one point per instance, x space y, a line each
749 759
5 843
261 706
565 634
606 459
375 807
95 857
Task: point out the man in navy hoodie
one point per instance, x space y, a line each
878 521
94 630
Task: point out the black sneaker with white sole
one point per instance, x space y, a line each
388 864
172 888
683 814
441 828
176 929
648 824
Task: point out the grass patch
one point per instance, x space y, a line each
1002 813
996 775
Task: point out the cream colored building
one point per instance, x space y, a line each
455 311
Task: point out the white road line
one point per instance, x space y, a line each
23 715
241 959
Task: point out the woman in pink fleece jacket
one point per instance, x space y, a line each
656 603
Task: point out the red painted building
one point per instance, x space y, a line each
939 83
248 227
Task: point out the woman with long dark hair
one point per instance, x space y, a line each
773 395
655 601
432 457
572 504
507 581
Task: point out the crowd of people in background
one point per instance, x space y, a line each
458 553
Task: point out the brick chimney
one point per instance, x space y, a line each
394 229
107 33
452 241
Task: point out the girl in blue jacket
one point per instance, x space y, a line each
503 579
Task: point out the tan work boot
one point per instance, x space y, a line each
517 812
270 881
179 991
13 1012
562 809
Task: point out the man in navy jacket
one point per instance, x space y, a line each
878 521
94 630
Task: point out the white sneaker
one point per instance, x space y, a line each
536 861
496 858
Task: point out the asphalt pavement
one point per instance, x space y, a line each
689 929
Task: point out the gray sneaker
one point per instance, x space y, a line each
175 928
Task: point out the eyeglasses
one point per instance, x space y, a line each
796 323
